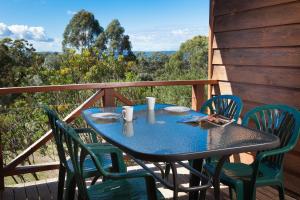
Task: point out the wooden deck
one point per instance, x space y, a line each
47 189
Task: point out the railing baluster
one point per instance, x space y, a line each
109 98
1 165
198 96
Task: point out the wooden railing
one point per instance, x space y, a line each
104 91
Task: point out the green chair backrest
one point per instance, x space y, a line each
78 152
280 120
227 105
53 117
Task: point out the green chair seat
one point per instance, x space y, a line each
236 173
129 189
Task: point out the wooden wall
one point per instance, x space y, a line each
255 52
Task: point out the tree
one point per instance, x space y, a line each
117 42
114 33
82 31
192 57
101 42
15 57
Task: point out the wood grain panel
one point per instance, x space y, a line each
256 55
286 35
231 6
275 76
262 94
268 16
283 56
291 182
292 164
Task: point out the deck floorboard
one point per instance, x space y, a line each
47 189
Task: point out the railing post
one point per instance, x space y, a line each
198 96
1 165
109 98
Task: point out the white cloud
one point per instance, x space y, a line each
30 33
180 32
163 39
55 45
70 12
4 29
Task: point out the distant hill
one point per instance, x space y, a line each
147 53
150 53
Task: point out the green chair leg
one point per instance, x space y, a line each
61 182
239 193
70 187
167 170
280 189
230 192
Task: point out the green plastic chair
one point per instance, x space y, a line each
136 185
267 169
66 165
229 106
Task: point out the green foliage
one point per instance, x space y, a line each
15 57
82 31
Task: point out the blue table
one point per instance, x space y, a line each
157 136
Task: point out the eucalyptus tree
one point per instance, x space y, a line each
114 40
82 31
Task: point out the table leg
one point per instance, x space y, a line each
195 180
175 182
216 177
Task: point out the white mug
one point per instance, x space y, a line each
151 103
127 113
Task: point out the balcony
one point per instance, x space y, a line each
105 95
253 53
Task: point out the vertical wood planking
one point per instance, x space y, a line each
256 55
109 98
198 92
1 165
210 44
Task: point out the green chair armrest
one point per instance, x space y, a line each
265 154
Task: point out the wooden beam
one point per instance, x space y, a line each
33 168
211 36
123 99
198 92
109 98
88 103
90 86
45 138
1 165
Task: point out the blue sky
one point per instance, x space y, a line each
153 25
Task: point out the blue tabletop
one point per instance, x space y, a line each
158 136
